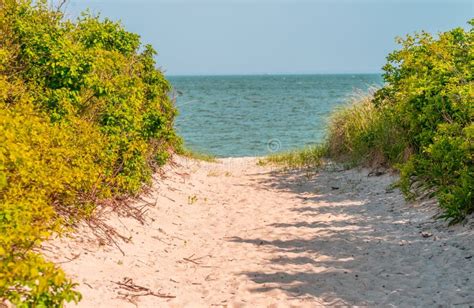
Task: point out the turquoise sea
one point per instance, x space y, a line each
232 116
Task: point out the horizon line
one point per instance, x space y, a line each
265 74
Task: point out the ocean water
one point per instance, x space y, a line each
234 116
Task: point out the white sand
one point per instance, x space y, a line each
236 234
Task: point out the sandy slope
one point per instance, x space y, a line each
237 234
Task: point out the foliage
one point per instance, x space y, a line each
84 116
430 92
421 121
360 133
309 157
196 155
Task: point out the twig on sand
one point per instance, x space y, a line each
159 239
172 236
124 208
74 257
135 290
167 198
195 260
105 232
192 261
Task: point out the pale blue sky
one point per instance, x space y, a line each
263 36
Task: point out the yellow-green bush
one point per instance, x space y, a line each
40 164
421 121
84 116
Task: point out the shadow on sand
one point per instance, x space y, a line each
370 253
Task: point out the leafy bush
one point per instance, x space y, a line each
421 121
34 174
84 116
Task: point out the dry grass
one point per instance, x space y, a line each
309 157
197 155
361 133
358 133
347 123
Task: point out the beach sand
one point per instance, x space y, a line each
236 234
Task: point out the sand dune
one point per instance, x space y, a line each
236 234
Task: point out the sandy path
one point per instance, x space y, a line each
237 234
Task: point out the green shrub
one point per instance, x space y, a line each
430 91
84 116
421 121
40 165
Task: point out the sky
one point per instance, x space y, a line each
206 37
